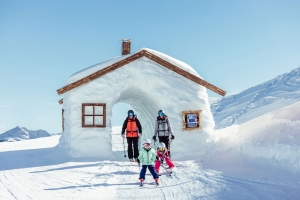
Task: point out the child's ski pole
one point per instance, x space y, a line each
166 170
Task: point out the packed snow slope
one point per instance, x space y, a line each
21 133
259 159
267 146
258 100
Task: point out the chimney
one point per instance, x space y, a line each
126 46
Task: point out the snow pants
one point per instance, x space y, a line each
151 169
133 142
168 161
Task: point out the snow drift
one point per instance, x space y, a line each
271 140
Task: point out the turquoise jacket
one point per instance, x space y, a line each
147 157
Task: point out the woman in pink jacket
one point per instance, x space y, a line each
161 155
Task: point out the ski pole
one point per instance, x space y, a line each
170 140
166 170
124 147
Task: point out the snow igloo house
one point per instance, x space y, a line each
148 81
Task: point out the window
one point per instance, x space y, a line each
191 120
93 115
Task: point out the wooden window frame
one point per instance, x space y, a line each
184 120
93 115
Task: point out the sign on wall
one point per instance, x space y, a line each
191 120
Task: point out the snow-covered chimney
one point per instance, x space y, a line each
126 46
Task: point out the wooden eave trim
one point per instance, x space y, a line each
61 101
99 73
133 58
184 73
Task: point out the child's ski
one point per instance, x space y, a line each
142 184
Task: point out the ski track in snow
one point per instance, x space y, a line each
119 180
36 177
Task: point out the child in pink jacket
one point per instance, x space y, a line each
161 155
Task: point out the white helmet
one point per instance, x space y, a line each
147 141
162 145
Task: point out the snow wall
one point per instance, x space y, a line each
147 87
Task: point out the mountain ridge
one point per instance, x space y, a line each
255 101
21 133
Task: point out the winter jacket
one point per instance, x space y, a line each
162 155
147 156
132 126
163 127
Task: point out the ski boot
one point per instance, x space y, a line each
141 182
156 182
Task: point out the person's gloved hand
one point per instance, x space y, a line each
123 135
138 160
172 137
154 138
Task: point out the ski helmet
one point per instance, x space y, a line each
130 113
161 113
147 141
162 146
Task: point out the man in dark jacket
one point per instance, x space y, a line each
133 130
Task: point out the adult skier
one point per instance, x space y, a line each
133 131
147 157
163 130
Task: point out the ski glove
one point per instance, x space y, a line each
172 137
154 138
123 135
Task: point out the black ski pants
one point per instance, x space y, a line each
133 142
166 140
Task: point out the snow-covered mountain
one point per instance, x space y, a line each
258 100
21 133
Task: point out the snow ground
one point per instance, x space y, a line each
37 169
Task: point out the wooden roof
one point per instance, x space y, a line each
134 57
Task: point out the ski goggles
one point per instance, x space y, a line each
161 114
161 149
130 114
146 144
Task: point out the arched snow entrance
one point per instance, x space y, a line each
146 110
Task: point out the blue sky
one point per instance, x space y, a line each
231 44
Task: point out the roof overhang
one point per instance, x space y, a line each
134 57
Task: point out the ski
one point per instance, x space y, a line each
142 184
170 174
